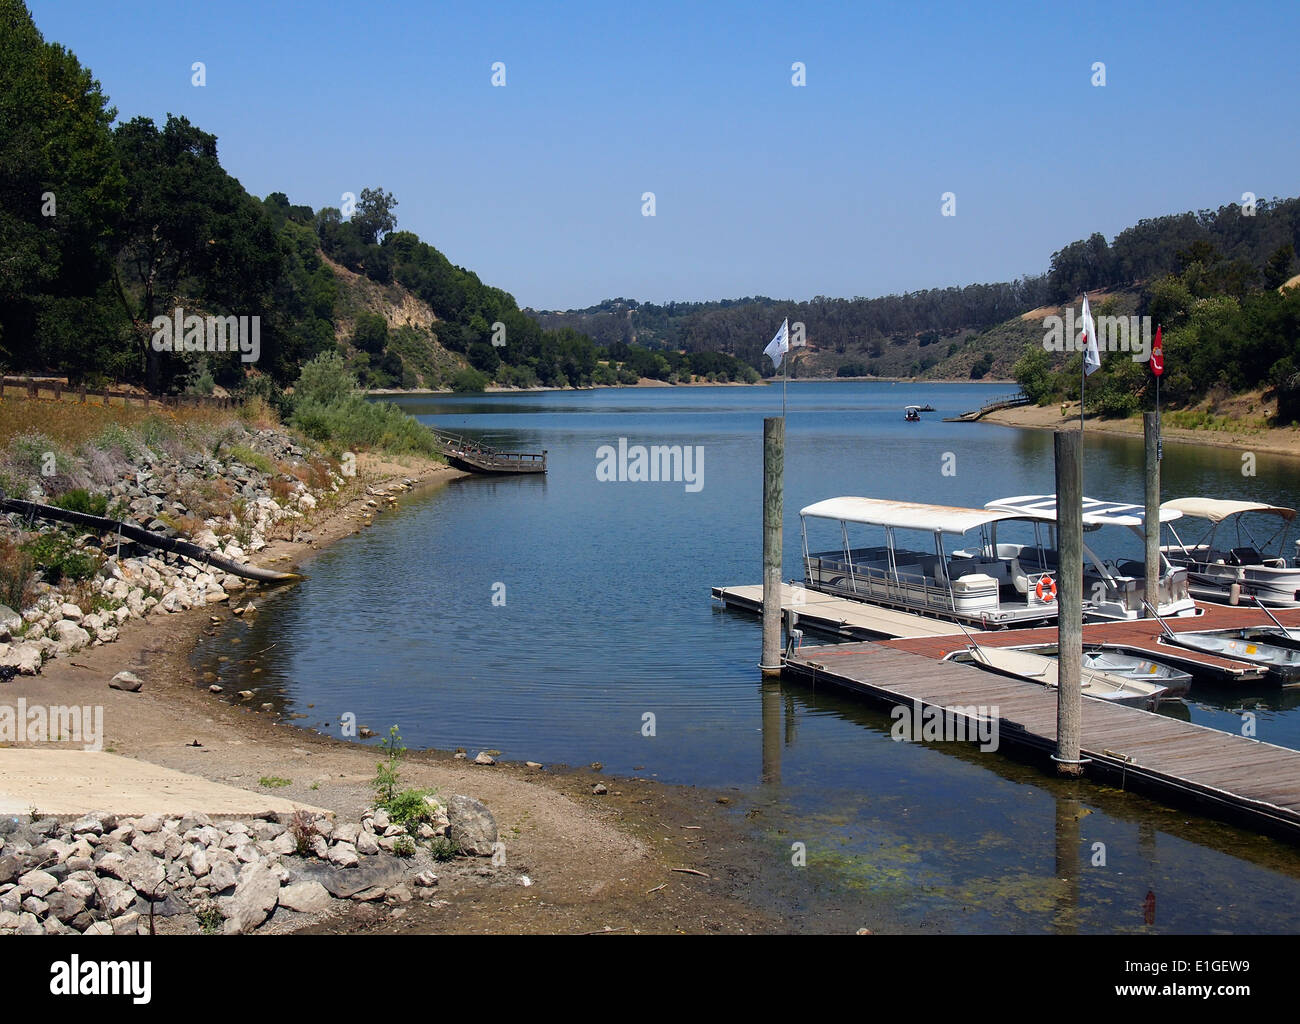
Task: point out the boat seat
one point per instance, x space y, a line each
1246 556
959 567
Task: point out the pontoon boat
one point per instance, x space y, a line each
1228 575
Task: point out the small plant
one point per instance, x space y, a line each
404 846
303 829
251 459
386 775
209 915
33 814
81 500
409 807
274 782
17 568
442 848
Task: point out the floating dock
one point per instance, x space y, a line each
839 616
937 638
1218 774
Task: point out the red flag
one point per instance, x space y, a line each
1157 355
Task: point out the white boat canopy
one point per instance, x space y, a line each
905 515
1218 509
1095 512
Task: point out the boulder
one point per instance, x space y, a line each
367 845
69 635
115 896
65 906
38 883
139 870
25 657
344 855
306 897
256 895
127 681
473 828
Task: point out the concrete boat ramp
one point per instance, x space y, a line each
62 782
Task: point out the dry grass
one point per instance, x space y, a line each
70 424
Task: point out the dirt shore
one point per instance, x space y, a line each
1271 440
596 863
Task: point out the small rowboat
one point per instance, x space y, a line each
1175 681
1039 668
1281 661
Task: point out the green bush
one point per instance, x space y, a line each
324 379
81 500
58 559
468 381
356 422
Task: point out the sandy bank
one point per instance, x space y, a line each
1273 440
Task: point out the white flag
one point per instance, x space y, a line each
1091 357
780 345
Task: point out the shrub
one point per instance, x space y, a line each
468 381
303 829
324 379
356 422
81 500
58 559
17 574
254 460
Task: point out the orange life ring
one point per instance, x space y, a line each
1046 589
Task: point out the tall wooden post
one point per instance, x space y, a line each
1151 432
1069 613
773 512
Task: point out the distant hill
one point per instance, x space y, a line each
974 331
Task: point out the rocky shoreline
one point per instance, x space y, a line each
101 875
235 506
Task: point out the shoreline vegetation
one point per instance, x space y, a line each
583 852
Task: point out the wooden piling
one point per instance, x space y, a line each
1069 617
773 513
1151 433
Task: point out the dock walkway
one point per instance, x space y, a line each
476 457
1219 774
839 616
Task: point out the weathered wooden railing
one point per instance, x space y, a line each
1005 402
56 389
475 455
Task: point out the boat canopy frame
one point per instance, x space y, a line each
1217 511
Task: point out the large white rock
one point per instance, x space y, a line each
306 897
255 897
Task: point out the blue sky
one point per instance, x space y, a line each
761 187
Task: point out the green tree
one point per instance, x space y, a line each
373 216
324 379
62 194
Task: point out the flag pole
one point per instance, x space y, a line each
1160 441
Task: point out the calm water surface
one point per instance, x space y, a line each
607 617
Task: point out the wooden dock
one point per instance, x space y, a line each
1142 636
475 457
838 616
1218 774
936 638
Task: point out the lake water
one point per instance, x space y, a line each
607 618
